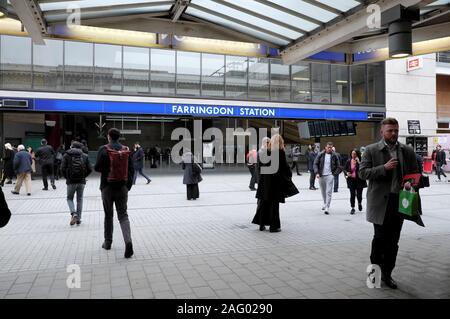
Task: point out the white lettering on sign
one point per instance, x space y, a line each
222 110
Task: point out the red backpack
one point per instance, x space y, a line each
118 168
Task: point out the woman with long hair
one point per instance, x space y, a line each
354 183
33 160
8 168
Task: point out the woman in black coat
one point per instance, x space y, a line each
354 183
191 176
273 187
8 169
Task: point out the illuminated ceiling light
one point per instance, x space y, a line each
300 79
341 81
399 21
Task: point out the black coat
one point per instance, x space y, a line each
311 157
45 155
8 161
275 187
189 177
5 213
138 158
354 182
320 160
440 157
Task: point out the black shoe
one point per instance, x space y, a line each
128 250
335 191
45 189
28 194
389 282
106 245
10 182
352 212
360 208
275 230
262 228
252 188
148 182
73 220
15 193
54 186
326 212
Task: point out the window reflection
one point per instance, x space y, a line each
79 66
358 84
162 72
213 75
280 85
16 62
136 64
108 68
236 77
301 84
188 73
339 84
321 83
376 83
48 66
258 74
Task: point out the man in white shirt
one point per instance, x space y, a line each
326 166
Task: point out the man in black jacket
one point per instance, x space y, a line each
438 157
115 190
75 168
138 162
46 158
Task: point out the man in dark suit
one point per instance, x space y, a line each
384 164
439 160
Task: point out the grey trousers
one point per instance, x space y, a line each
326 184
118 196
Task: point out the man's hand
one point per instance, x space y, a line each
407 186
317 176
391 164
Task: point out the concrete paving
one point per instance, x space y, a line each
209 249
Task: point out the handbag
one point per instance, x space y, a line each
408 203
290 189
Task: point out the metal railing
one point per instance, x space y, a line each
443 57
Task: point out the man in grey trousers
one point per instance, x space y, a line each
326 166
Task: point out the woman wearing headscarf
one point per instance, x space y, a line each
191 176
8 168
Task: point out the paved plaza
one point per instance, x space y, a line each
209 249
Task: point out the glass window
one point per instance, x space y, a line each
162 72
339 84
213 75
79 66
301 84
358 84
188 73
16 62
136 65
258 77
236 77
108 68
48 66
280 85
320 82
376 83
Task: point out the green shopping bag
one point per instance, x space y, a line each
408 203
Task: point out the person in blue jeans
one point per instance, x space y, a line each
75 167
138 163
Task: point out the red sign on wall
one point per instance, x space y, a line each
414 63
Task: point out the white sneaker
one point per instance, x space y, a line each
327 211
324 206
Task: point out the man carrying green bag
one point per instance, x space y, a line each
409 203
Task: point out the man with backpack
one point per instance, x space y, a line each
75 167
115 163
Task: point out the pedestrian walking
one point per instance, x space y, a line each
138 162
295 154
252 157
75 167
33 161
336 177
46 158
8 167
354 183
439 160
116 167
274 186
385 164
311 156
192 175
326 166
22 167
58 160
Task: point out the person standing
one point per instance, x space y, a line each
75 167
138 162
192 175
295 154
8 167
439 160
354 183
22 167
252 156
311 156
326 166
274 187
116 167
384 164
336 177
58 159
46 158
33 159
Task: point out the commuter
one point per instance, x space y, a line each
8 168
354 183
336 177
311 156
138 162
22 167
58 159
116 167
252 157
295 154
46 158
384 164
326 166
273 188
192 175
75 168
439 160
85 148
33 159
5 213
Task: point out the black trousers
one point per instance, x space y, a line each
192 191
295 164
252 169
267 214
386 237
119 197
312 179
439 170
47 170
355 191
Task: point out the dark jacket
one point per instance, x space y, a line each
419 163
189 177
5 213
138 158
67 160
8 160
22 162
275 187
45 155
320 160
353 182
103 163
440 157
311 156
